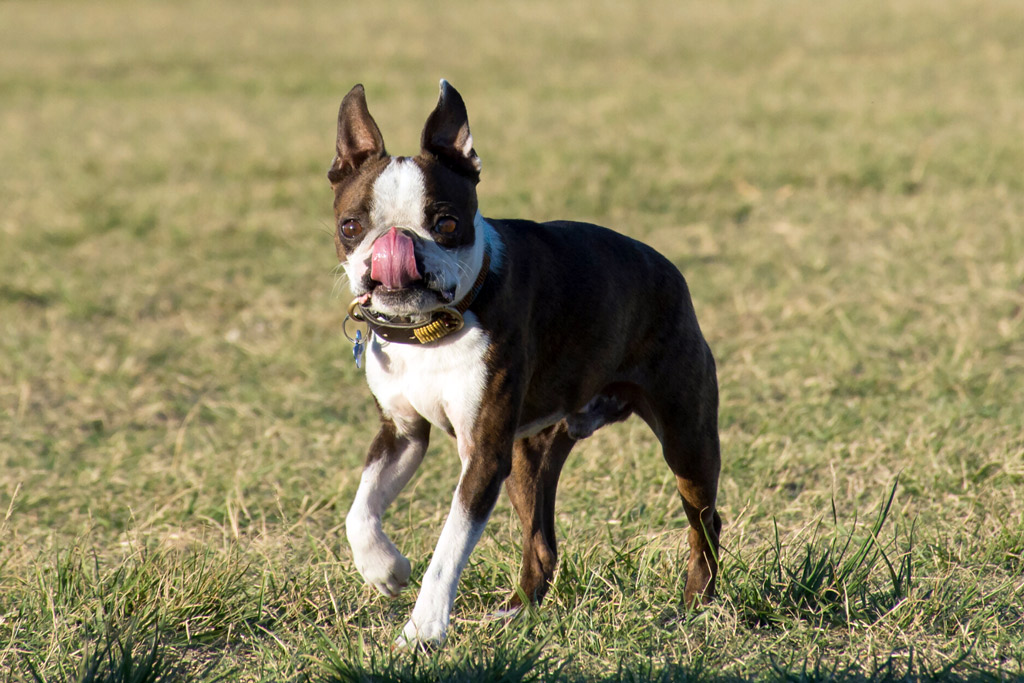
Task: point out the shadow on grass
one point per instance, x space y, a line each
531 666
114 658
119 656
124 659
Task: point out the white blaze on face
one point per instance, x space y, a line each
398 199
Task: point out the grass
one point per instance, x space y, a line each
181 426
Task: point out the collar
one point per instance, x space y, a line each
441 323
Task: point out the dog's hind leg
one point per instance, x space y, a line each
686 422
393 458
536 464
696 463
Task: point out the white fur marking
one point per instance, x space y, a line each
378 560
442 381
399 196
487 233
432 613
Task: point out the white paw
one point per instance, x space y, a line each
383 567
426 635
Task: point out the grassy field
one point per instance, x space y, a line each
182 428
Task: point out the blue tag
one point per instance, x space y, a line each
358 348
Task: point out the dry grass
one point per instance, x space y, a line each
181 427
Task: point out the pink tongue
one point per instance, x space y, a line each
394 260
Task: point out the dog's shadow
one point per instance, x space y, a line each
531 664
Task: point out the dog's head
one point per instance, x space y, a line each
406 228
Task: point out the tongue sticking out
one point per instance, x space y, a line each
393 263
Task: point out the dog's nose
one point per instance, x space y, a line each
393 263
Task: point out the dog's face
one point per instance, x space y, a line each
406 228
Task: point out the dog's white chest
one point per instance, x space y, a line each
443 381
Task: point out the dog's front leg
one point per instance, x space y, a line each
486 463
394 456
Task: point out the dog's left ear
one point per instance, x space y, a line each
446 134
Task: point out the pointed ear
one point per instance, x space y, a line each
359 139
446 134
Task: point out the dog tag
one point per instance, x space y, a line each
358 347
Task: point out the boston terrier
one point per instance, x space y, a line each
516 338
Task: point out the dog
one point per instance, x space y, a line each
516 338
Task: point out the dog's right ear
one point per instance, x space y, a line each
359 138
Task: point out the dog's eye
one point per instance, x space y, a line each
351 228
446 225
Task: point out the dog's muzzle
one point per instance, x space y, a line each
441 322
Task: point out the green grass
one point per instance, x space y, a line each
181 426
